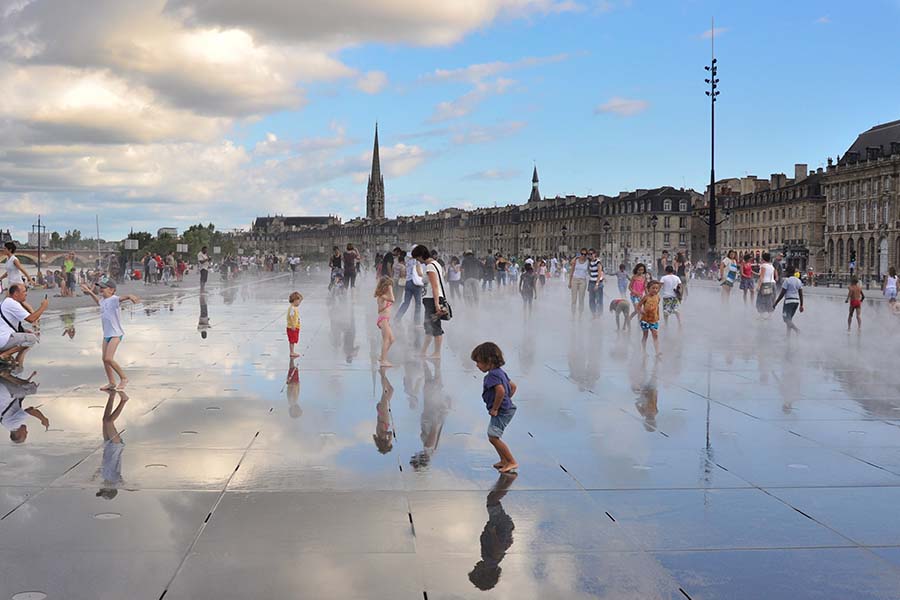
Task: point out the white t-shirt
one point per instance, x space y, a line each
791 287
111 467
15 314
767 273
434 267
14 416
669 283
109 317
203 260
13 274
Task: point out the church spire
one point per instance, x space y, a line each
375 191
535 193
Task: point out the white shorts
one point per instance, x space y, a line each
17 340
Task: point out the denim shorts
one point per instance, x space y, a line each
499 423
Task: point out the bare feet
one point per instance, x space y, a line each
435 357
122 384
385 363
509 468
108 387
123 397
294 355
499 465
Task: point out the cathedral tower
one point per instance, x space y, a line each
375 191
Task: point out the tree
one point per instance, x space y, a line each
55 240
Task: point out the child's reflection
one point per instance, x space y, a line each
384 432
496 538
113 446
293 390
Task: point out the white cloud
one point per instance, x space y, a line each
717 31
372 82
478 72
494 175
823 20
622 107
465 104
489 133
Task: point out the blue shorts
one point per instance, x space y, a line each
499 423
635 299
114 337
645 326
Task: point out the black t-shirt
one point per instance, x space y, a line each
490 264
387 264
349 262
335 262
471 267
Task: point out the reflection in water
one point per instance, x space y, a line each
645 386
292 388
203 321
496 538
113 446
384 431
68 321
434 413
13 417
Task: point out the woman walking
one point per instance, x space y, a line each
434 294
765 287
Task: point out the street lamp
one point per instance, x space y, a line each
497 236
712 93
562 233
654 221
606 229
40 234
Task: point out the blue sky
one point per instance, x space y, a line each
797 80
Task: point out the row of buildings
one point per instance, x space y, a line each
822 219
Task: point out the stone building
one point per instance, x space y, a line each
782 214
862 214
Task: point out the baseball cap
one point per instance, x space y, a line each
106 282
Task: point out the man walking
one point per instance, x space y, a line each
203 265
351 257
595 284
413 290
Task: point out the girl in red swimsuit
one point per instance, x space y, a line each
384 296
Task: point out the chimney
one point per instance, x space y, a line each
773 181
799 172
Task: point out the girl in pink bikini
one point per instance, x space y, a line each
384 296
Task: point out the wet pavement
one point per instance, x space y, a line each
738 466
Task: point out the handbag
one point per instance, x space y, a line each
441 301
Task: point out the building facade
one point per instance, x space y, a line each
863 205
781 215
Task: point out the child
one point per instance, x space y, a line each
792 293
671 295
637 285
293 321
12 391
622 308
648 308
384 297
528 289
497 394
113 446
889 287
112 329
855 297
622 279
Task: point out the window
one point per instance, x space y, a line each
853 214
667 204
682 240
666 238
844 215
682 206
667 222
886 212
682 222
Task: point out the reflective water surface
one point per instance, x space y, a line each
740 465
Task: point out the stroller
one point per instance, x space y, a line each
336 285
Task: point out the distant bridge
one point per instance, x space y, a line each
55 258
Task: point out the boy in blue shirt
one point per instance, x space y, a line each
497 394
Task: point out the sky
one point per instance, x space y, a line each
153 113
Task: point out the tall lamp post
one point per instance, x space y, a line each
654 221
40 235
712 93
606 229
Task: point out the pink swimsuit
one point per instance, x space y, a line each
387 306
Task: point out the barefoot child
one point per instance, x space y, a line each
855 297
112 329
648 308
497 394
637 286
384 297
293 321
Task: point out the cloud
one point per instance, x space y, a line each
486 134
622 107
465 104
494 175
372 82
718 31
478 72
823 20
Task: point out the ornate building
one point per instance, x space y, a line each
375 189
781 215
862 216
